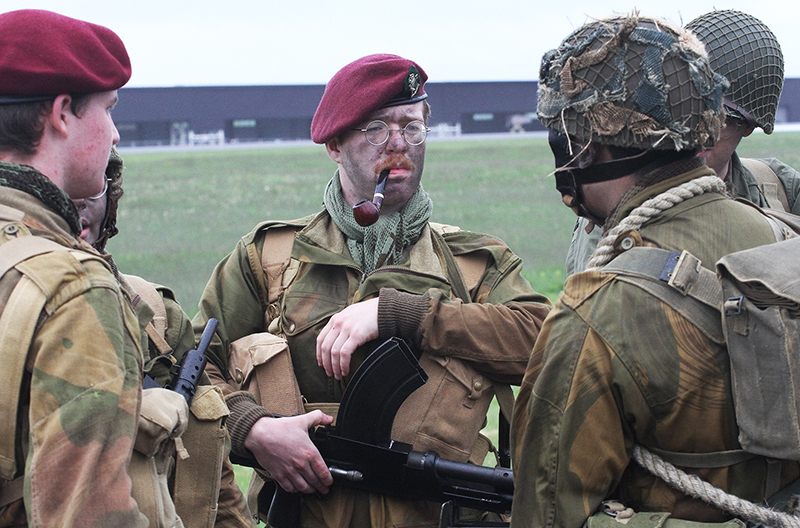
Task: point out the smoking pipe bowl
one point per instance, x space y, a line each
365 212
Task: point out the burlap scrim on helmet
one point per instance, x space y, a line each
631 81
745 51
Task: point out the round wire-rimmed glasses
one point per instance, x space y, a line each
101 193
377 132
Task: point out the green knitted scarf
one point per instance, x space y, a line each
383 242
31 181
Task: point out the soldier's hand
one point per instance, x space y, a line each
344 333
282 447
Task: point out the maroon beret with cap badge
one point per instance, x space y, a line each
44 54
363 86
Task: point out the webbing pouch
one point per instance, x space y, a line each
653 520
261 364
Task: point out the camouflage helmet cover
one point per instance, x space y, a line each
746 52
632 81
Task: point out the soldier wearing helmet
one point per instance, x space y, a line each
742 49
629 102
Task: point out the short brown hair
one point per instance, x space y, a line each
22 124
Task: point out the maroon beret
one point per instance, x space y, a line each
363 86
44 54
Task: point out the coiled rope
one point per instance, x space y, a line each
691 485
696 487
605 249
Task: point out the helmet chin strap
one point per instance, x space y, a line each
570 176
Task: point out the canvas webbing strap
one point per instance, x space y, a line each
715 459
677 279
769 183
157 328
276 257
17 325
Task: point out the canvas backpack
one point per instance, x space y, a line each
752 306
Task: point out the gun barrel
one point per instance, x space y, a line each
193 364
501 479
208 333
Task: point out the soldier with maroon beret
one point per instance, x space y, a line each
352 278
70 343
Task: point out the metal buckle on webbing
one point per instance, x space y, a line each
733 306
683 273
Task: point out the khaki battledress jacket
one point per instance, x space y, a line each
742 184
81 390
614 367
473 341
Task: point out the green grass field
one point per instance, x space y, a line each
184 210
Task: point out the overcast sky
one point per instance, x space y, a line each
237 42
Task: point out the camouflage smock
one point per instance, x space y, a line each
488 338
81 389
614 366
742 184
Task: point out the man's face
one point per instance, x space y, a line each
92 134
92 212
360 162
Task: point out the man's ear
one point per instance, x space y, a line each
589 155
334 149
60 113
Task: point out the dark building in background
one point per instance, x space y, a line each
230 114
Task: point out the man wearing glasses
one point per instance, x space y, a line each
338 289
744 50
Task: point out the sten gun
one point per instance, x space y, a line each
361 455
186 374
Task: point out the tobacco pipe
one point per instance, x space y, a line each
365 212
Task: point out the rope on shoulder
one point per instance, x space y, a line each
604 252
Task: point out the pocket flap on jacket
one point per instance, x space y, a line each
470 378
208 405
251 351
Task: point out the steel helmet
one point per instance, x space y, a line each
746 52
632 81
